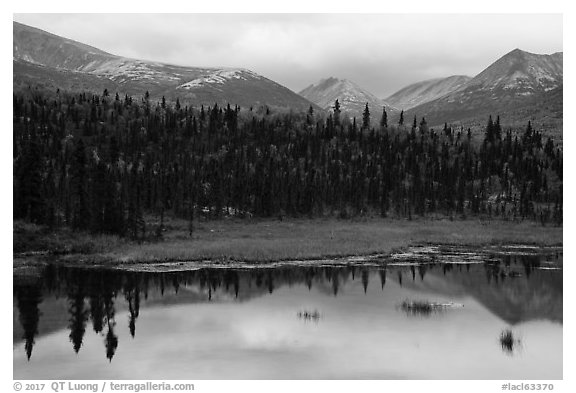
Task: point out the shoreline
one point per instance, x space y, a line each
264 242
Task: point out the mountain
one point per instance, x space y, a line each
520 86
54 62
425 91
352 98
520 73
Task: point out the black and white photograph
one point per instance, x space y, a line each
288 196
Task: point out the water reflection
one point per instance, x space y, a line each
515 288
28 298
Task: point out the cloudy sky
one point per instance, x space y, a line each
380 52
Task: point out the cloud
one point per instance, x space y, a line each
383 52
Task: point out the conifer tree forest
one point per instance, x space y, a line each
102 163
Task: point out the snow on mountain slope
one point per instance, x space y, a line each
194 85
220 77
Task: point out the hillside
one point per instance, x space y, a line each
520 86
57 62
352 98
425 91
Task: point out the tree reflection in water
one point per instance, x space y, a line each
511 286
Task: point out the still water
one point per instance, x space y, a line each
427 314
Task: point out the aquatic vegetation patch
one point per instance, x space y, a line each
508 342
425 308
308 315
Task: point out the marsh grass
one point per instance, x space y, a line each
260 241
31 238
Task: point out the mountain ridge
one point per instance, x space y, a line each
513 86
425 91
195 85
519 86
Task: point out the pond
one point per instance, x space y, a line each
430 313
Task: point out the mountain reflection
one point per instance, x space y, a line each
513 287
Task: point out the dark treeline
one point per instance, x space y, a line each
100 163
94 295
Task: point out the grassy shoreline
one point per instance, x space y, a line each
261 241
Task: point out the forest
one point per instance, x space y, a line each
102 163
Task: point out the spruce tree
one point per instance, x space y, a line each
384 118
337 113
366 118
29 202
80 211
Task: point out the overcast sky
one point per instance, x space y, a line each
380 52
